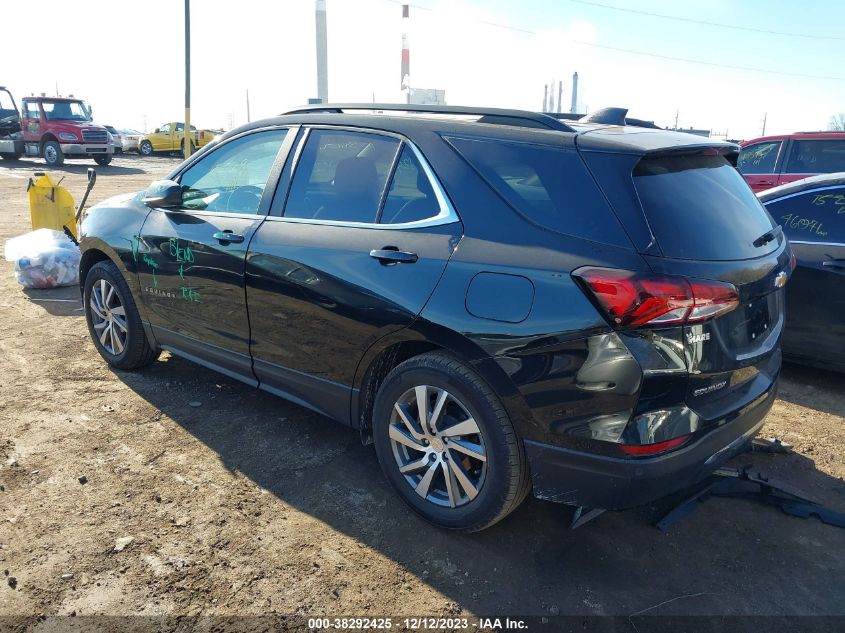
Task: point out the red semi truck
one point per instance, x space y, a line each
54 128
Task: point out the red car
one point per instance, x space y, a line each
769 161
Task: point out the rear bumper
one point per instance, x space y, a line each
597 481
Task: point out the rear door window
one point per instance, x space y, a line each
812 216
816 157
699 207
341 176
760 158
548 186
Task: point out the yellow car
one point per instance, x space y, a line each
170 137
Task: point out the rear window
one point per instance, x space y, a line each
551 187
699 207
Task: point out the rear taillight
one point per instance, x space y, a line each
633 300
645 450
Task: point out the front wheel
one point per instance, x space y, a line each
53 155
145 148
113 319
102 159
446 444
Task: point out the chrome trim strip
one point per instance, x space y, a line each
801 193
816 243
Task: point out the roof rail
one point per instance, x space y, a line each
501 116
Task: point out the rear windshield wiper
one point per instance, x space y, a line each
768 236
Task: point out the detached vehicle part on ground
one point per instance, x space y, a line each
170 137
500 300
57 128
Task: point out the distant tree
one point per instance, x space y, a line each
837 122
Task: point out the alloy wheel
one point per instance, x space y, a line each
108 317
438 446
50 154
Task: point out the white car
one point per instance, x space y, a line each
131 138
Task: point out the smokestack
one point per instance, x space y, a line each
322 56
406 53
574 108
545 97
559 95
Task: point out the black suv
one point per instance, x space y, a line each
498 299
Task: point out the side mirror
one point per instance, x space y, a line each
163 194
156 131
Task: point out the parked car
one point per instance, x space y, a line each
170 137
770 161
498 307
812 213
117 138
131 138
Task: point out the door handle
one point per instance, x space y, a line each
228 236
391 255
834 263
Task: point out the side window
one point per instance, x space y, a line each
759 158
180 127
411 196
232 177
813 216
548 186
816 157
165 129
30 110
341 176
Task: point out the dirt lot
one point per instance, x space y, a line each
248 504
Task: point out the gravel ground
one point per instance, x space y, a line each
117 497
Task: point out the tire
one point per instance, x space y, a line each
102 159
101 306
52 153
182 148
145 148
501 480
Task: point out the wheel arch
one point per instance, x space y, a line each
94 255
49 136
420 338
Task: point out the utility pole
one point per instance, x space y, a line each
545 97
765 114
247 106
406 52
559 94
677 113
322 53
187 140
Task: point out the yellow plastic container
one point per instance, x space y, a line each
51 205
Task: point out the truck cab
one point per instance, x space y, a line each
61 127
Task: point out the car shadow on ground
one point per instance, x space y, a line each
64 301
27 168
813 388
719 560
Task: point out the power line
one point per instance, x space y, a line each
686 60
736 27
704 63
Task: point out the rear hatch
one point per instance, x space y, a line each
707 224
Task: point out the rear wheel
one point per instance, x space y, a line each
446 444
102 159
182 147
53 155
145 148
113 319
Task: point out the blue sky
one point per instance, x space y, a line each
132 73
